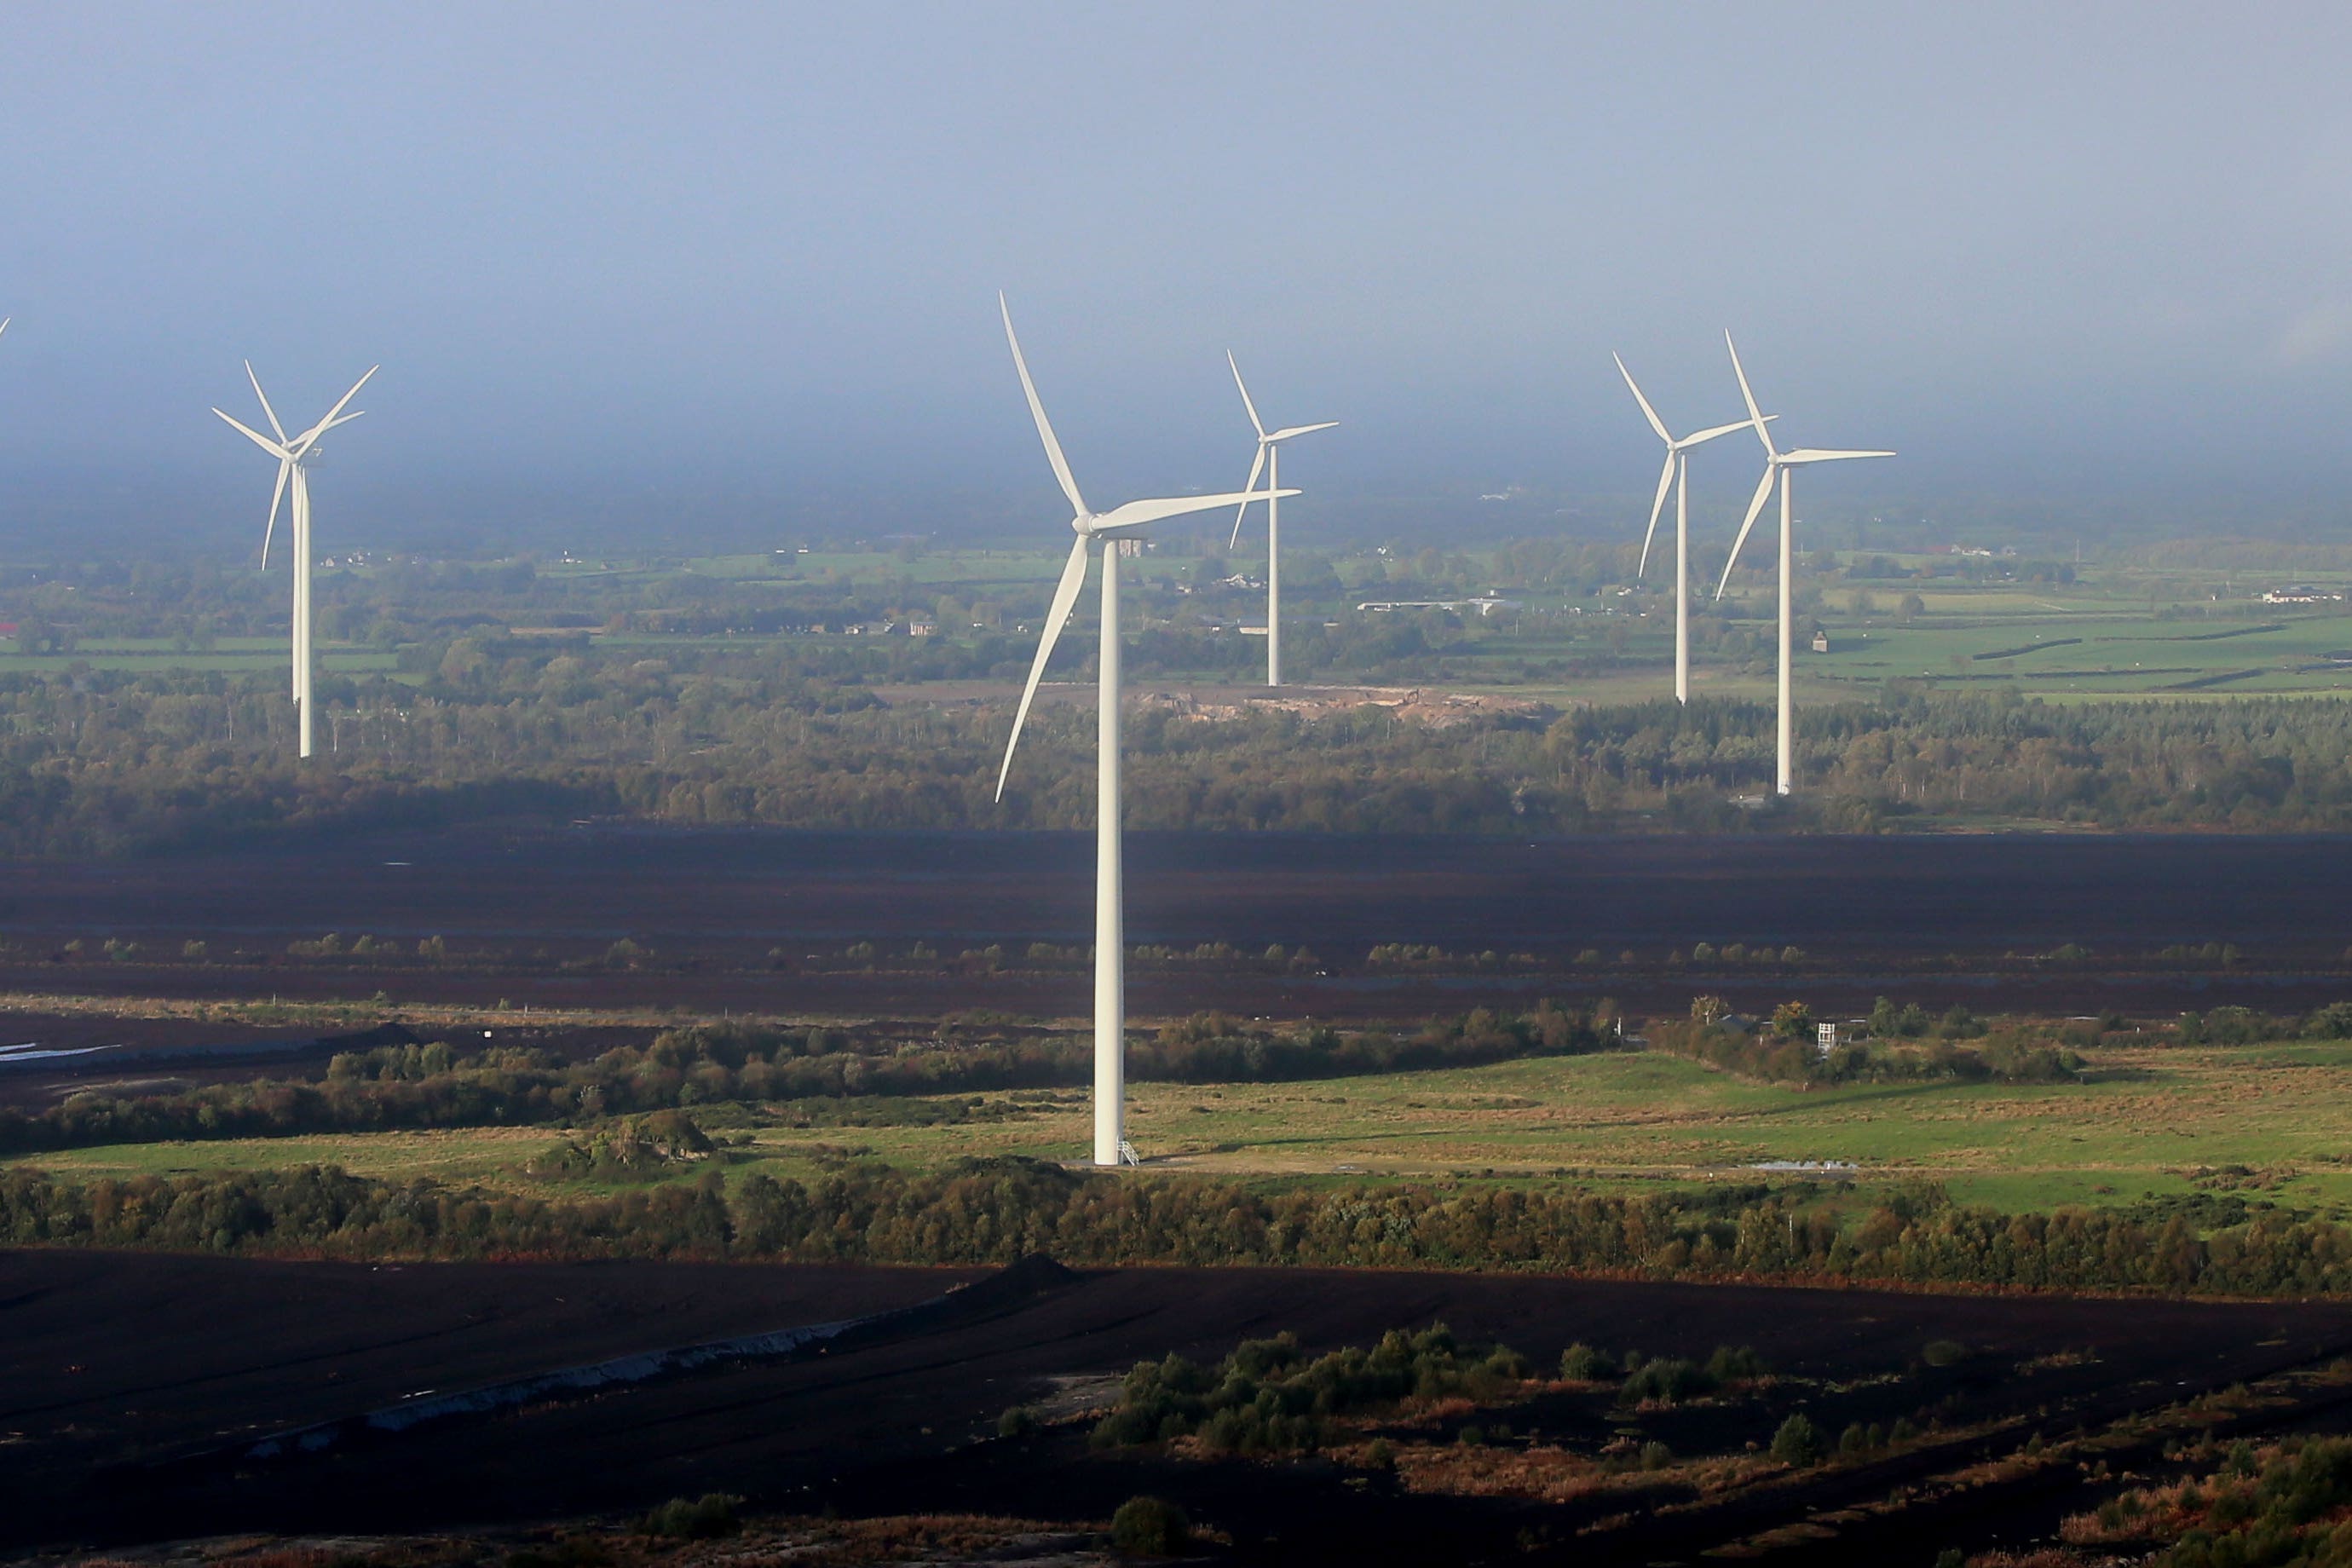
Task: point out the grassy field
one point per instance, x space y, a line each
2145 1121
2115 632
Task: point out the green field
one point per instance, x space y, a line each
1977 624
2152 1120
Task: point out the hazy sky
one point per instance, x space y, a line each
624 262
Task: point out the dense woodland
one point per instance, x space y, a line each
118 762
697 706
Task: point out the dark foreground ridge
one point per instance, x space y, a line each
109 1362
431 1410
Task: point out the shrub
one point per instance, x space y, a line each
1729 1366
1666 1381
1379 1453
1471 1437
1580 1362
1151 1524
705 1517
1018 1421
1656 1456
1796 1442
1942 1353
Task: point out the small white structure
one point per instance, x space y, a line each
1824 1038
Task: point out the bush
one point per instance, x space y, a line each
1796 1442
1656 1456
1151 1524
1018 1421
1666 1381
1580 1362
705 1517
1729 1366
1269 1398
1942 1353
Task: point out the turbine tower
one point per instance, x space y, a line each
1676 473
1099 535
1780 464
294 456
1269 458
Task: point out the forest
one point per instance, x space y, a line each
114 763
143 707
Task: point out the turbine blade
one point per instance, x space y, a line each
1763 489
1065 593
1648 413
1136 514
276 494
1257 465
1665 483
1303 430
1825 455
257 438
321 427
1255 424
1037 412
1755 415
1706 435
4 323
266 409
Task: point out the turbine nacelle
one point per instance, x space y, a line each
1777 465
1088 525
293 453
1674 448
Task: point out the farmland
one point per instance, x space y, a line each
2271 1123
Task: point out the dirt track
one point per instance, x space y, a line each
110 1361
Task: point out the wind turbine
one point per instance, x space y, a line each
1099 535
1269 458
1780 464
1676 473
294 456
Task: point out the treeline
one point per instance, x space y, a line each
119 762
411 1086
996 1211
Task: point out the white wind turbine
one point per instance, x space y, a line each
1776 463
293 457
1269 458
1099 533
1676 473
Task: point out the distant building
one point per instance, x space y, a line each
1820 642
2302 593
1485 604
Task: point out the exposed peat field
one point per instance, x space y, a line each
137 1388
924 924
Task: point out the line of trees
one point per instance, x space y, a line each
412 1086
996 1211
116 763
